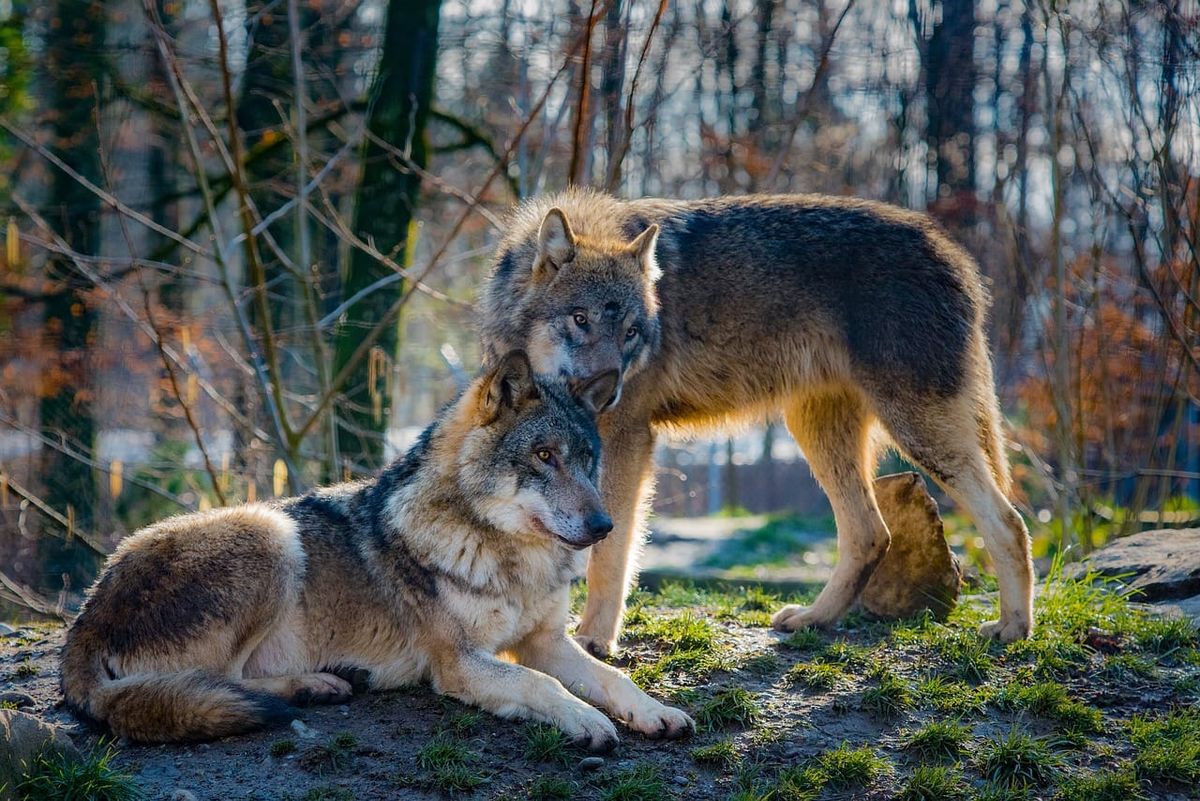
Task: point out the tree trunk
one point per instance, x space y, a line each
950 103
74 62
384 208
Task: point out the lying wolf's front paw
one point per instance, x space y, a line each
590 729
601 649
1006 630
319 688
792 617
658 721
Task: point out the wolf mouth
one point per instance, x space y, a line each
542 527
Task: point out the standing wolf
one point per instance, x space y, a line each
210 624
861 323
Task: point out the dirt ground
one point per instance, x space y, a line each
701 649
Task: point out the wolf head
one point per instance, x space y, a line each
529 461
585 307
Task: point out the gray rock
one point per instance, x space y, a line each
305 732
681 781
14 698
590 763
1164 564
23 738
183 795
6 630
919 571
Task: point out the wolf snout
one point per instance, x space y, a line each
598 526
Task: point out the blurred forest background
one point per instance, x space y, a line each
242 237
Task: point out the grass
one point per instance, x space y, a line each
1016 759
734 705
1105 785
327 792
335 756
816 676
933 783
281 748
642 782
721 754
951 695
1167 746
551 788
689 643
1050 700
806 640
450 765
544 743
939 739
848 655
846 766
54 777
889 698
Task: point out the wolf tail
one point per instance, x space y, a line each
164 707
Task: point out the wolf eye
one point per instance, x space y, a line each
581 319
544 455
632 332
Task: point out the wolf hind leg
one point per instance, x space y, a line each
958 442
303 690
833 428
626 484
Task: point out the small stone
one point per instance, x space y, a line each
6 630
681 781
183 795
303 731
919 571
591 763
14 698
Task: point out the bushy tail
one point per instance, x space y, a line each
165 707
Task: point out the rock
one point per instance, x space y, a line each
183 795
590 763
1164 564
6 630
919 571
14 698
680 781
303 731
23 738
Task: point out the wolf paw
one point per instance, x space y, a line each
1006 630
792 617
320 688
601 649
661 722
589 729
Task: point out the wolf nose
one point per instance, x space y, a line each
598 525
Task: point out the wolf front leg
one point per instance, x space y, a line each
515 691
626 479
550 651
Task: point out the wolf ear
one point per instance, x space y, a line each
643 248
596 392
509 386
556 244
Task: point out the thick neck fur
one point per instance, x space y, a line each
423 512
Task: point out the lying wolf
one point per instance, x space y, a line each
211 624
860 324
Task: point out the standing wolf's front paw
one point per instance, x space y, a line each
1006 630
601 649
792 617
659 721
588 728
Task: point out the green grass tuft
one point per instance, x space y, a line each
805 640
281 748
731 706
53 777
889 698
816 675
551 788
939 739
803 783
1050 700
852 767
1106 785
1167 746
544 743
843 653
721 754
642 782
1016 759
950 695
933 783
450 764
